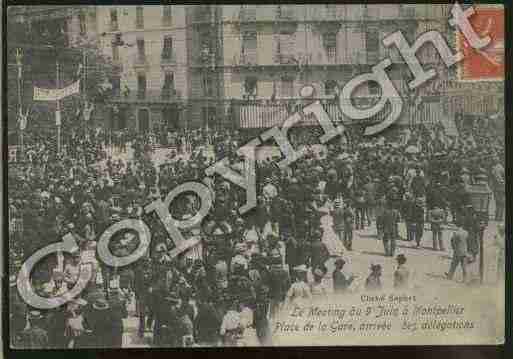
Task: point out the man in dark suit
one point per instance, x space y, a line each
418 219
390 219
279 283
460 252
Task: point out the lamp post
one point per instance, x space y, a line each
480 194
22 119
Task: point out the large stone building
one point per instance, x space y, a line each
243 66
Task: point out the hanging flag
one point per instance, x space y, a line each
41 94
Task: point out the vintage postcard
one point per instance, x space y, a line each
255 175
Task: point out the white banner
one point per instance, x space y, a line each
41 94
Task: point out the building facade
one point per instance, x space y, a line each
186 66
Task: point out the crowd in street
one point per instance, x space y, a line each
245 267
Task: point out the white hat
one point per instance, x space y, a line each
301 268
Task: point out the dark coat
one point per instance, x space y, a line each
279 283
207 324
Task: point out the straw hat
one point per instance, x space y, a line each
101 304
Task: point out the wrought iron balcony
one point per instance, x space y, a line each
168 58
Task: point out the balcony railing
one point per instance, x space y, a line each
168 94
168 58
151 95
372 57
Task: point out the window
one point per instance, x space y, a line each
207 47
286 47
166 15
208 86
169 84
82 23
330 10
170 116
372 41
208 115
139 17
285 11
250 86
141 54
330 44
330 87
114 20
116 86
115 51
374 88
249 47
141 85
287 87
248 12
167 48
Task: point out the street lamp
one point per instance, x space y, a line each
480 194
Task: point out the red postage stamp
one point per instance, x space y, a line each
486 64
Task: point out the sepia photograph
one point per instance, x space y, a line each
185 176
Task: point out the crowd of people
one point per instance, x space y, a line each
244 267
